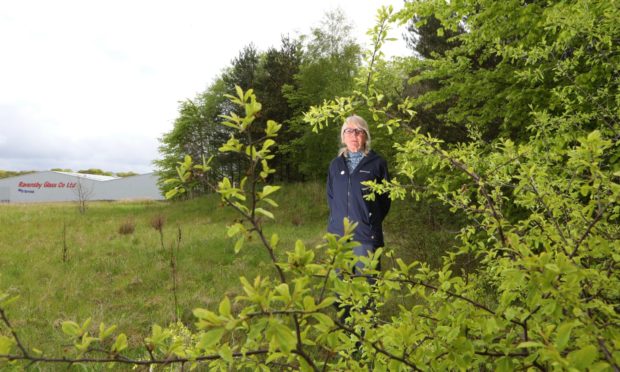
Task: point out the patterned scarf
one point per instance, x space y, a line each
353 159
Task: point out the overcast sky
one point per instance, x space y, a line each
95 84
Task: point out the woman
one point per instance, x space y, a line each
357 163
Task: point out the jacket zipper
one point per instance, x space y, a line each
348 190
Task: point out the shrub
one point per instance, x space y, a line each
127 227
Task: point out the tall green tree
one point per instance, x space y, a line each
328 69
197 133
429 40
278 68
513 58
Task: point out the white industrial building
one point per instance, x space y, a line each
51 186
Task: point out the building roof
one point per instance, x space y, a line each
94 177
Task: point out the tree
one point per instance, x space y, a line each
289 79
7 174
83 192
196 133
430 40
126 174
328 69
492 80
278 68
95 171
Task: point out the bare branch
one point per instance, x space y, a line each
5 319
596 219
479 181
375 345
124 360
608 356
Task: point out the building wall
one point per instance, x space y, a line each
143 186
52 186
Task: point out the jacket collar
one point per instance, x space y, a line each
367 158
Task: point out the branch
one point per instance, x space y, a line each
21 347
474 176
608 356
526 336
549 214
299 351
259 231
597 218
377 347
450 293
124 360
496 354
377 48
279 312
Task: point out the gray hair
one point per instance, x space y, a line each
359 123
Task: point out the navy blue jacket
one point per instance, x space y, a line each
345 196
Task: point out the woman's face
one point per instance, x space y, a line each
354 138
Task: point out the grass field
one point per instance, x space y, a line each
126 279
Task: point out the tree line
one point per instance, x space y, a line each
301 72
508 114
97 171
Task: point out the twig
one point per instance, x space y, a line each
21 347
120 359
597 218
608 356
473 175
376 346
549 214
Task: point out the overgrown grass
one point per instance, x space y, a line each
125 278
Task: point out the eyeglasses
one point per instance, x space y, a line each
354 131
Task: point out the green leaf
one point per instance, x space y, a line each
105 333
563 335
86 341
309 304
270 202
281 336
284 291
235 229
326 302
206 316
583 358
226 354
7 299
6 344
527 344
201 313
224 307
120 344
171 193
323 319
264 212
505 364
210 338
268 189
71 328
239 244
